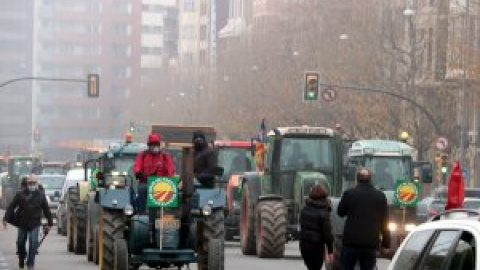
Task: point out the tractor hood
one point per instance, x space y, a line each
304 180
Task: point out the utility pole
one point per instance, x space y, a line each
464 78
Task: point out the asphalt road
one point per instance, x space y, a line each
54 256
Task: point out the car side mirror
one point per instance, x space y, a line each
56 193
425 170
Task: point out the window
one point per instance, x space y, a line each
203 32
121 49
151 29
122 7
189 5
412 251
437 256
121 72
306 153
151 50
464 253
121 29
203 8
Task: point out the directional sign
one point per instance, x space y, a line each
466 174
441 143
329 94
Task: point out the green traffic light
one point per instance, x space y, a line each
444 170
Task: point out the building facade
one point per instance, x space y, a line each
16 24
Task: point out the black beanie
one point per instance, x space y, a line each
199 135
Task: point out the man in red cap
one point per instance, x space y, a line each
151 162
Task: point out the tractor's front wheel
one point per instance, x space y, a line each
96 244
79 229
271 229
71 209
113 228
89 239
121 255
247 224
213 233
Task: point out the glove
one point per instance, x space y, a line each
139 175
46 229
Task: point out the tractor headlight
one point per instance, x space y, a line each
207 210
128 210
410 227
392 226
115 183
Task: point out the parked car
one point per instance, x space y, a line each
52 185
471 203
71 180
429 207
449 241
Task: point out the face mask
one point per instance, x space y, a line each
155 149
32 188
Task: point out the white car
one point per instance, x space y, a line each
447 241
71 180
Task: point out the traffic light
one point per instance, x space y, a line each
93 85
131 126
444 165
311 86
36 135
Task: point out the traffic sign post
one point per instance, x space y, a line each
441 144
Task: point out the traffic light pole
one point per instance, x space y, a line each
380 91
41 79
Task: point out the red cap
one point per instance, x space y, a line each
154 138
128 138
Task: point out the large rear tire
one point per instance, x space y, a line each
79 229
113 228
271 229
121 255
71 209
96 244
247 224
89 240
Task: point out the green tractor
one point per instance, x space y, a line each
17 166
295 158
396 172
181 226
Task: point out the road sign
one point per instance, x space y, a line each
466 174
441 143
329 94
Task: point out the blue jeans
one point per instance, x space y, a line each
366 257
32 236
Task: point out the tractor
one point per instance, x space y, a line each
236 159
293 159
129 240
394 167
17 166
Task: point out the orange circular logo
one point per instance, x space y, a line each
163 192
407 193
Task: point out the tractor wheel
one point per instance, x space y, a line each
89 240
120 254
71 204
213 229
271 229
337 252
96 246
113 228
247 224
215 255
79 229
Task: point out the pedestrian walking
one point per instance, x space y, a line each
25 212
366 211
316 228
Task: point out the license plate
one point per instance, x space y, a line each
167 223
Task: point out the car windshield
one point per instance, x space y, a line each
306 153
387 170
51 182
471 204
53 170
120 164
234 160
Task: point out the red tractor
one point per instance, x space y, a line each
236 158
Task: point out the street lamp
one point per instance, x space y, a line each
343 36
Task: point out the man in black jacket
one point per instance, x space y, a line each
204 160
366 210
26 208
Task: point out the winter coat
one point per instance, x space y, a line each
148 164
28 207
204 164
315 224
366 210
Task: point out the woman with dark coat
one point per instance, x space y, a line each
316 228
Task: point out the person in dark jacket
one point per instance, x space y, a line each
316 228
204 160
28 204
366 210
